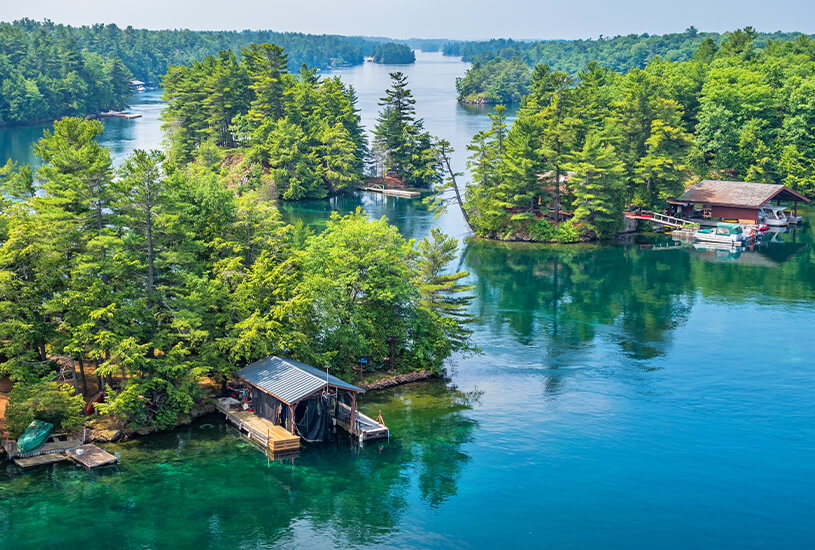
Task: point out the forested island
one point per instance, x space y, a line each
501 71
163 277
44 76
391 53
584 149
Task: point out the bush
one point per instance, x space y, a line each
47 401
568 232
541 231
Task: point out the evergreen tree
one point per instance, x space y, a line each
600 195
400 139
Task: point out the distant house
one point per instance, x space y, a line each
731 200
138 85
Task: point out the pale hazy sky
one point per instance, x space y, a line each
466 19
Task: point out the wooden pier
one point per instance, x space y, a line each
119 114
274 438
52 447
91 456
402 193
364 427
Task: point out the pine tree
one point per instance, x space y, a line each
600 195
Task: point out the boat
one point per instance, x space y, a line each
792 218
724 233
34 436
774 216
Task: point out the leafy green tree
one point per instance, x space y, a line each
358 278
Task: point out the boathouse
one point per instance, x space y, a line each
291 400
738 201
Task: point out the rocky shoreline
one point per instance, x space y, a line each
399 379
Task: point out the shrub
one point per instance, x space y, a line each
47 401
568 232
542 231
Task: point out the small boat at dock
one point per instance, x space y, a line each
34 436
774 216
730 234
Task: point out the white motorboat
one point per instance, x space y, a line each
774 216
725 233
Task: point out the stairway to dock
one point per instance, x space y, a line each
656 217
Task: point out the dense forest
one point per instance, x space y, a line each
500 71
390 53
153 277
584 149
46 75
249 120
49 70
148 53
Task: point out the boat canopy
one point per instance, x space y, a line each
724 228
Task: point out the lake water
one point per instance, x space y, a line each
630 395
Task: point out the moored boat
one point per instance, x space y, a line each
774 216
725 233
34 436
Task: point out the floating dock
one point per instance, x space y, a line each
52 447
117 114
91 456
364 427
40 460
275 438
402 193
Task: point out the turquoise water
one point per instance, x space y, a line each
632 394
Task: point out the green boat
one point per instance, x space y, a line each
34 437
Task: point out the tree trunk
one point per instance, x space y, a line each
557 195
76 382
455 188
84 381
150 275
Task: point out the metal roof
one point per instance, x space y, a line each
737 193
290 380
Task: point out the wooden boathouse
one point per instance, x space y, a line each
291 401
739 201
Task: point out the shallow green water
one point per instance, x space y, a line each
632 394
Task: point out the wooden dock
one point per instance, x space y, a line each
52 447
40 460
402 193
119 114
274 438
91 456
364 427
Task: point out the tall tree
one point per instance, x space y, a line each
600 195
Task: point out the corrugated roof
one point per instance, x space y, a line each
737 193
290 380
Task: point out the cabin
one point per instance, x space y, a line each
288 401
737 201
